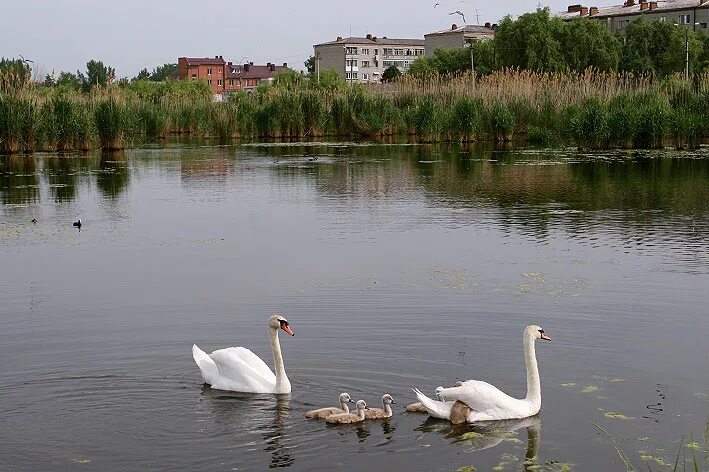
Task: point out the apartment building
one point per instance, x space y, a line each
458 37
689 13
363 60
224 77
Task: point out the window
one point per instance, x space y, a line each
351 63
352 51
231 82
364 51
219 83
365 76
623 23
388 51
351 75
703 25
209 82
365 63
194 76
684 19
209 71
376 51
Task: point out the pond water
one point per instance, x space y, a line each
398 266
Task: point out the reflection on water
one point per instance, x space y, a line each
237 412
438 255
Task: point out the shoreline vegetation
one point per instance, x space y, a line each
592 109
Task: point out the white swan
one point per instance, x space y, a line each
322 413
239 370
486 402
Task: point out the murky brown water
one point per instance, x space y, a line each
398 267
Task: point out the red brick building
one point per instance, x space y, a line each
210 69
224 76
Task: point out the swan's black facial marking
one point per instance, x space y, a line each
286 327
543 335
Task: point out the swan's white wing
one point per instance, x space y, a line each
479 396
242 370
210 372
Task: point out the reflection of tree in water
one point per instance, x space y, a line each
479 436
19 182
62 174
246 413
112 177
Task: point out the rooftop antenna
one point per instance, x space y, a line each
477 16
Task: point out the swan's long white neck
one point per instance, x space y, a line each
282 382
360 413
534 389
387 409
344 405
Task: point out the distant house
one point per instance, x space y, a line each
210 69
223 76
247 76
363 60
689 13
458 37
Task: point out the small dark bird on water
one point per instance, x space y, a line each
34 220
313 159
77 224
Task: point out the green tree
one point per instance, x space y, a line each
97 74
390 74
533 41
143 75
69 81
310 65
658 47
287 78
329 80
49 81
588 43
164 72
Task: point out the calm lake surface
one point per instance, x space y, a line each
397 266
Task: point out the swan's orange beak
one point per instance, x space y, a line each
287 329
545 337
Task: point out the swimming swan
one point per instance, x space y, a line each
237 369
323 413
379 413
482 401
345 418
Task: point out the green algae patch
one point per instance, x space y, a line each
467 468
570 384
589 389
617 416
470 435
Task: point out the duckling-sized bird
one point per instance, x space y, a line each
323 413
77 224
380 413
34 220
346 418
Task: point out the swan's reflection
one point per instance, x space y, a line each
485 435
238 413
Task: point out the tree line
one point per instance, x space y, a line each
542 42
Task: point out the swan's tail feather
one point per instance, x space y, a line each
210 372
435 408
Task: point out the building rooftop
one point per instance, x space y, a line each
488 29
631 7
374 41
196 61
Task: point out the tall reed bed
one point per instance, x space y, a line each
592 109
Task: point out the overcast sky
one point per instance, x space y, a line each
132 34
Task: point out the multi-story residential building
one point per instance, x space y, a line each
689 13
458 37
224 76
210 69
363 60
